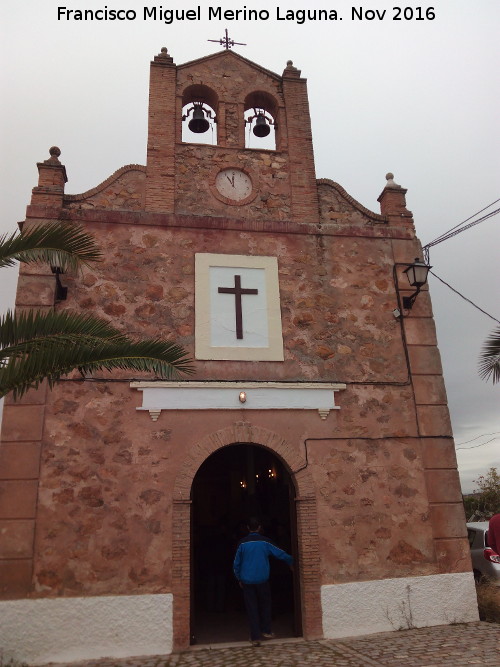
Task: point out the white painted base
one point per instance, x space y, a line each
367 607
70 629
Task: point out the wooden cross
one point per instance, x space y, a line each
226 42
237 290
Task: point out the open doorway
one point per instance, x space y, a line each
233 484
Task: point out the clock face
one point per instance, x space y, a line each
233 184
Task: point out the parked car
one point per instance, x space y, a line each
485 561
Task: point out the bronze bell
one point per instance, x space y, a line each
261 128
198 123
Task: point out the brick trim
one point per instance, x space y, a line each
99 188
172 220
376 217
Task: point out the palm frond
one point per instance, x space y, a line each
56 243
22 372
20 330
489 360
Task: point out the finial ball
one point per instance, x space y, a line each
289 63
54 151
389 176
164 49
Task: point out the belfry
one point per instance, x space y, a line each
317 403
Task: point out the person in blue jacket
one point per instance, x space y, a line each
251 568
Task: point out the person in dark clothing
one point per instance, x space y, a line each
251 568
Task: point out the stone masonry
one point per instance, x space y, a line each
95 496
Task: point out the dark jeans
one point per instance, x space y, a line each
257 599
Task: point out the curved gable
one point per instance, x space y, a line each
123 190
337 206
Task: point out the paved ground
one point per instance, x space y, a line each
442 646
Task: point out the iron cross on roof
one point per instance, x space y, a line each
226 42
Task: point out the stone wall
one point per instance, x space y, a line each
195 182
122 191
104 517
337 296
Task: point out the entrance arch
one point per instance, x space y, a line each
307 567
233 484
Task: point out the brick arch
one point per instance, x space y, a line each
262 100
198 92
307 524
243 432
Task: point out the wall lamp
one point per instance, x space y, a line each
417 277
61 291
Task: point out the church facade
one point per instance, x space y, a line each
317 402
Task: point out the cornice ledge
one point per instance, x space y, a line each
210 384
376 217
199 395
111 179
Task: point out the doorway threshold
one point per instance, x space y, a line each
239 644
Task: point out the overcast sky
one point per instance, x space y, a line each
420 98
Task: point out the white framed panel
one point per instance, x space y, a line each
237 306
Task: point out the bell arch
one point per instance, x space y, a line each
200 106
307 525
262 100
261 119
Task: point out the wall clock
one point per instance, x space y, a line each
234 184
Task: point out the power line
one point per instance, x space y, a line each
455 230
483 435
476 446
449 234
464 297
462 223
466 220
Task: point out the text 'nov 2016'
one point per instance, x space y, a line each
299 16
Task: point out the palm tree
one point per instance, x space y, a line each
489 360
68 246
39 345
